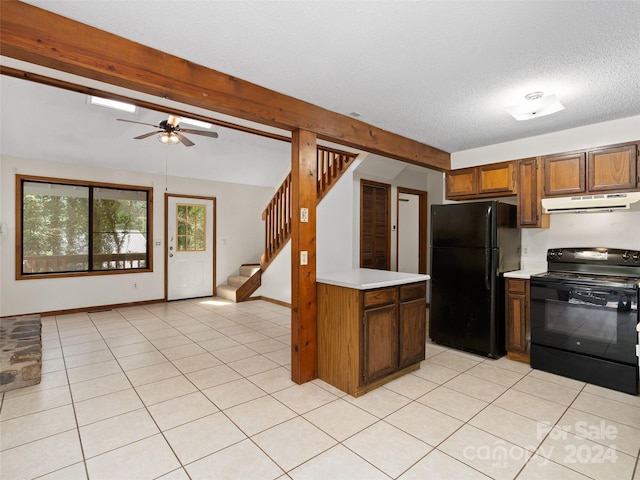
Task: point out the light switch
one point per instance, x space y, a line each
304 257
304 215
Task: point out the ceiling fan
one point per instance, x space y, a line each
170 131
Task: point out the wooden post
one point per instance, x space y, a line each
303 244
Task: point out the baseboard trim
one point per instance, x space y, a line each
98 308
271 300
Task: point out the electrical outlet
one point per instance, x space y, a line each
304 215
304 257
525 250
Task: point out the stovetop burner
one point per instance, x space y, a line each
597 266
608 280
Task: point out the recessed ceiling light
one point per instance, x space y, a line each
535 104
105 102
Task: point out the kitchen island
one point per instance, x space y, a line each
371 327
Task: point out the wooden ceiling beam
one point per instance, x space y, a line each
43 38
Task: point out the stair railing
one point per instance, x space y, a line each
331 165
277 222
277 216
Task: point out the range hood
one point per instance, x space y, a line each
605 202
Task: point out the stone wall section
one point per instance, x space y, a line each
20 352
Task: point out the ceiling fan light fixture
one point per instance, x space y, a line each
534 105
169 138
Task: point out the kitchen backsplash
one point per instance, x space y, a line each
619 229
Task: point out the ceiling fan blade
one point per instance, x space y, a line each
200 132
133 121
140 137
185 141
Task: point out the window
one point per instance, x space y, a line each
78 228
191 223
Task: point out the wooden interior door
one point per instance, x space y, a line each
375 220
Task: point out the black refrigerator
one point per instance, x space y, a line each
472 245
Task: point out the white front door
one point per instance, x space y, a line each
190 247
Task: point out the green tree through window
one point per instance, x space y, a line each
191 222
73 228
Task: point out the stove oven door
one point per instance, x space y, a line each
594 321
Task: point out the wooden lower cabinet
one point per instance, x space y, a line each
517 317
369 337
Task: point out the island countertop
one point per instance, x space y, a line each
367 278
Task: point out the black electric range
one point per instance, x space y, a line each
584 316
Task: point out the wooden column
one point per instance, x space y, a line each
303 239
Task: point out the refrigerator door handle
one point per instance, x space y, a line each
487 223
487 268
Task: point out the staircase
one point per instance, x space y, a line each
240 287
277 217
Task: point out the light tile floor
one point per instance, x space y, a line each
201 389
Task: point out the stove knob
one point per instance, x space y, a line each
626 256
636 257
552 255
560 253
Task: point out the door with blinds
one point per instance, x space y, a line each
375 225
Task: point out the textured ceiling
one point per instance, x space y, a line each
440 72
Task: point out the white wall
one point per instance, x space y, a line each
335 218
600 134
276 280
239 235
619 229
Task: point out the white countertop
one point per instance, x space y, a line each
366 278
527 271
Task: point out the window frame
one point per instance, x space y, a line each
20 179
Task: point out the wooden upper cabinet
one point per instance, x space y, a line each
530 193
612 168
497 178
462 182
564 174
492 180
608 169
